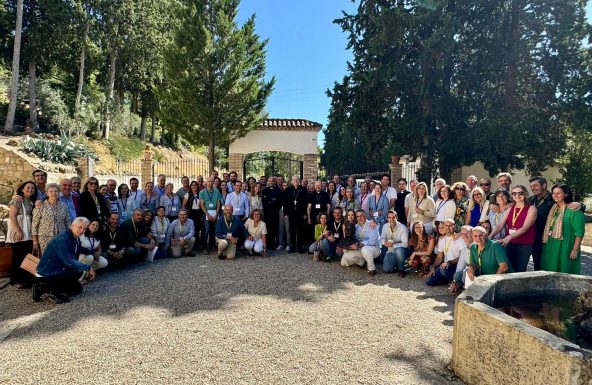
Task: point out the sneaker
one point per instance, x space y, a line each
58 298
288 249
280 247
37 292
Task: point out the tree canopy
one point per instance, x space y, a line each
456 81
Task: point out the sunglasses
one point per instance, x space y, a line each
515 193
460 188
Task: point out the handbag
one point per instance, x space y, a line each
30 263
25 225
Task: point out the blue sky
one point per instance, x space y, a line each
306 52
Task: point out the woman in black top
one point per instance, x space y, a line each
91 204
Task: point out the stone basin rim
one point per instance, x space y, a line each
486 289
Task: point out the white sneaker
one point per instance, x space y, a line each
279 247
288 249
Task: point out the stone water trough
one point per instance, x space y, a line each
491 347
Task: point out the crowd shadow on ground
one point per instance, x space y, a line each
200 284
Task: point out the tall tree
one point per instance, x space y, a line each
15 67
215 89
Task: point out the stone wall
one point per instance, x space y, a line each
14 169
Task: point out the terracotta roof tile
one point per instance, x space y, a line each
290 125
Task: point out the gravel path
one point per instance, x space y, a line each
281 320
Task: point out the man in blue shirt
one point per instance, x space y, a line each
59 270
67 198
228 230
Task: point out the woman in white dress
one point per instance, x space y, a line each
256 241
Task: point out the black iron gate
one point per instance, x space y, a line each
272 165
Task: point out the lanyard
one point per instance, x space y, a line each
447 245
161 189
363 230
162 225
124 204
376 202
515 215
210 196
442 203
135 228
148 199
112 235
363 198
228 226
538 203
91 240
418 202
337 226
479 252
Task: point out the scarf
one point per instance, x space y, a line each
554 225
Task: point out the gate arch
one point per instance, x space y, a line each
298 136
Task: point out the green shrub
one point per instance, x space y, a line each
124 148
576 167
63 150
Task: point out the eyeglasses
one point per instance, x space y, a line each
484 184
515 193
92 183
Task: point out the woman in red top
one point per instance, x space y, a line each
518 221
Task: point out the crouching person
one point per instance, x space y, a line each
486 257
228 229
91 241
137 240
181 236
59 272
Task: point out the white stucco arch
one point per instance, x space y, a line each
297 136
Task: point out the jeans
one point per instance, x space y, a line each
441 276
330 249
208 234
396 257
519 256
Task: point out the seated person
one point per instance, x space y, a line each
158 229
91 241
137 239
228 229
257 237
180 236
113 243
461 266
395 237
449 253
367 247
59 271
320 233
336 231
486 256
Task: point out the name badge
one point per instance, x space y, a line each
161 236
99 210
336 235
511 231
211 205
228 235
174 209
414 215
375 214
318 206
124 215
112 246
295 203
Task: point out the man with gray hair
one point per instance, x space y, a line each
438 184
228 229
67 198
59 271
137 239
180 236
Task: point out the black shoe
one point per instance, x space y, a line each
37 292
58 298
302 251
292 250
221 257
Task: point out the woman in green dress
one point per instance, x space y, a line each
563 234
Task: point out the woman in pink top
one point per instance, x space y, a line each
520 232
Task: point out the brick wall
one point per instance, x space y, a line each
235 163
311 166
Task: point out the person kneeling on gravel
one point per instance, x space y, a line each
228 229
181 236
59 270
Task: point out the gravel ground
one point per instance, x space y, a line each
281 320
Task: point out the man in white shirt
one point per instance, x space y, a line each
388 191
466 241
367 249
239 202
395 237
450 252
410 197
136 194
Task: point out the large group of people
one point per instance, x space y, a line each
459 232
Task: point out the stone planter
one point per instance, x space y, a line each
5 259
